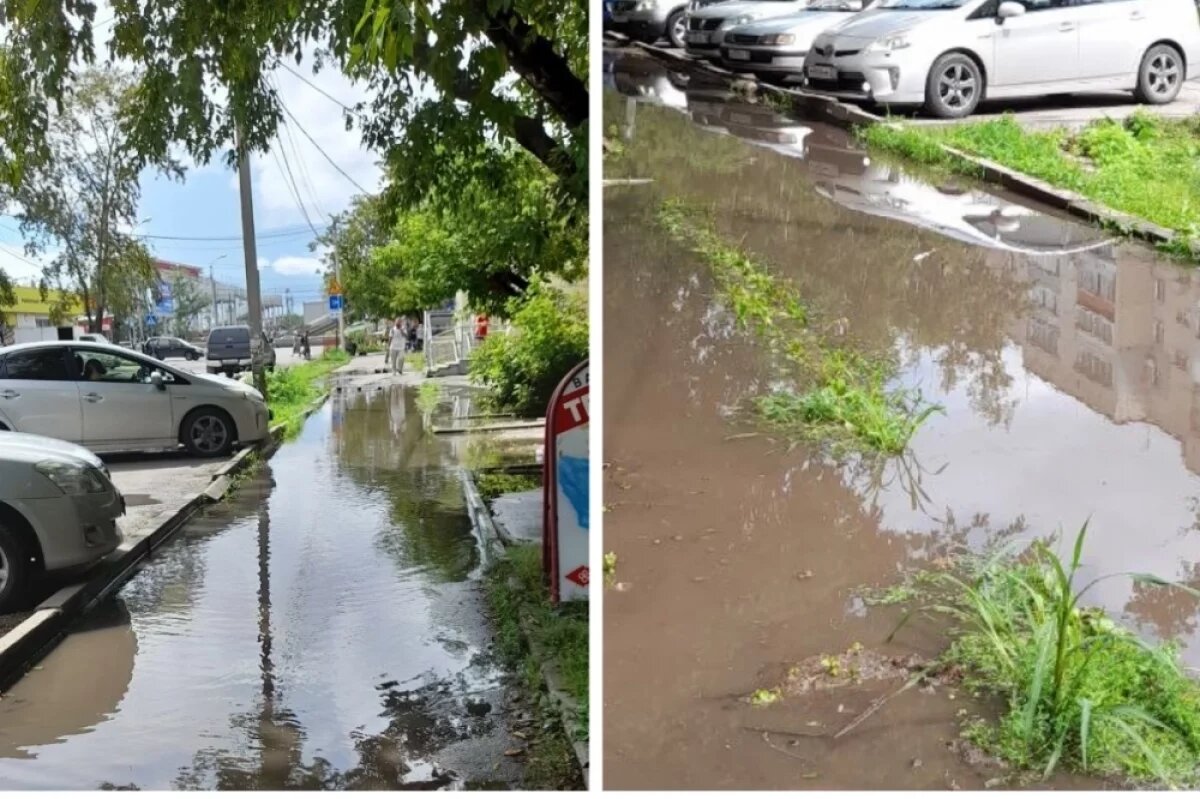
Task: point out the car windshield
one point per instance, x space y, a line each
922 5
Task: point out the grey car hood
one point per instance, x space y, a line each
27 448
803 22
876 22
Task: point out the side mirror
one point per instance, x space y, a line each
156 380
1009 8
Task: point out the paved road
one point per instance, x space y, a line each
283 357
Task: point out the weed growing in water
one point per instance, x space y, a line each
1081 691
845 399
495 484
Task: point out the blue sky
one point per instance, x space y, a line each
205 204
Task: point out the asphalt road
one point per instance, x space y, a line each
283 357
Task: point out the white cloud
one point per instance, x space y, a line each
322 188
263 263
293 265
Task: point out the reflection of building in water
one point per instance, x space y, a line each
1119 330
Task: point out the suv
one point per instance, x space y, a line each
58 511
163 347
230 350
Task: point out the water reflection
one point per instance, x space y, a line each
317 631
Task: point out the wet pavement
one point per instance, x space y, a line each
322 629
1068 365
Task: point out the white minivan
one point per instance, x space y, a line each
948 55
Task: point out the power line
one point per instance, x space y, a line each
290 180
317 88
258 237
333 163
301 167
20 257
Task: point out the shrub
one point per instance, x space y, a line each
550 336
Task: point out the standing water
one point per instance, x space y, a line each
322 629
1068 366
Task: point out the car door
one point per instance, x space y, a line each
120 405
37 394
1038 48
1112 37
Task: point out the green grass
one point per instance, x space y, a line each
840 397
292 389
1080 691
1146 166
516 594
429 394
494 484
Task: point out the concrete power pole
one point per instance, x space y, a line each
253 299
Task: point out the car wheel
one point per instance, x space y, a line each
677 29
15 568
1160 77
954 87
207 433
191 356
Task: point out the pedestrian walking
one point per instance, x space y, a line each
419 335
397 346
296 344
412 335
304 345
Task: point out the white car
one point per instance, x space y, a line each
110 399
948 55
58 510
708 25
777 46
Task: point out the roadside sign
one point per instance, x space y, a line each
565 489
335 304
335 287
151 320
166 303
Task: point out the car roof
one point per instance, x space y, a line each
42 345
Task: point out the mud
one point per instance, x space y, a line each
323 629
1067 364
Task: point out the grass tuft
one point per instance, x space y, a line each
292 389
1145 165
1081 691
840 397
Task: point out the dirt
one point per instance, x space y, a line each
1063 361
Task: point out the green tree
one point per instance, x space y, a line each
82 200
510 68
190 299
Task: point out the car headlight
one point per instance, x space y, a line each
73 478
733 22
779 38
897 41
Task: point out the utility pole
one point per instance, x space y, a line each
253 300
341 327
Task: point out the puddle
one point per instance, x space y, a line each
321 630
1067 364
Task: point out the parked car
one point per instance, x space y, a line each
777 46
708 25
163 347
110 399
58 511
230 350
948 55
650 20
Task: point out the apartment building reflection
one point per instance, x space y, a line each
1118 329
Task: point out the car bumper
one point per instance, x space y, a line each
74 531
875 77
216 367
763 59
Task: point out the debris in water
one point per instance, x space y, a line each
916 763
921 256
804 575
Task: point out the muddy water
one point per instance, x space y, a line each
321 630
1067 366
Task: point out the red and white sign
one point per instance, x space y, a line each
565 528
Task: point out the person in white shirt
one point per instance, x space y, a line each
396 347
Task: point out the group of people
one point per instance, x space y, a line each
407 335
300 345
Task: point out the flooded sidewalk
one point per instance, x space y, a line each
1067 365
323 629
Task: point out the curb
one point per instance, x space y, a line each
32 639
493 547
843 115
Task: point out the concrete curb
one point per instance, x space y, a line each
492 543
833 111
33 638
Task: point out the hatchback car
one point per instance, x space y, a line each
58 510
163 347
110 399
708 25
777 46
948 55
